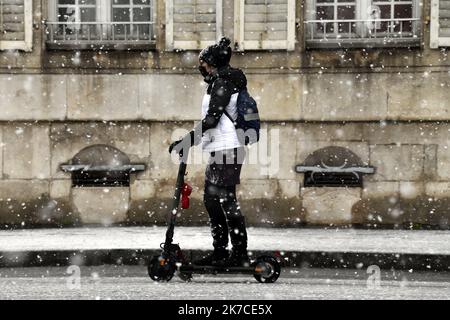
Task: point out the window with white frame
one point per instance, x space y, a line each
135 12
193 24
104 23
440 23
76 10
74 17
342 23
264 24
332 10
16 25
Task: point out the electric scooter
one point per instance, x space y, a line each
265 269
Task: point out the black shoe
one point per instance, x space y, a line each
216 258
238 258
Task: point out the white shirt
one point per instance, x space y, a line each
224 135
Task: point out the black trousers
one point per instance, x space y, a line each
225 217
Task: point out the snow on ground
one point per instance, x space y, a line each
199 238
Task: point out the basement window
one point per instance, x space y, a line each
333 177
101 166
338 167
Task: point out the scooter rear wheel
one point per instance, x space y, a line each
161 268
267 269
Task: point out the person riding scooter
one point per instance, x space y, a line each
217 133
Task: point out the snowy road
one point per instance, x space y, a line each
125 282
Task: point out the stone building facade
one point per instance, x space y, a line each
339 85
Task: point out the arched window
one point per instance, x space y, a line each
333 167
101 165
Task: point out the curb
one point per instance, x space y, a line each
350 260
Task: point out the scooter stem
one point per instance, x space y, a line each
176 199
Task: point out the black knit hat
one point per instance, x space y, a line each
217 55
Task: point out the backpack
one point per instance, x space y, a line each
247 123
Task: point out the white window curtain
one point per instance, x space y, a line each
16 25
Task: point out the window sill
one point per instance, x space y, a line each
363 43
89 45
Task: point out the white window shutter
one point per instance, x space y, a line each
265 24
440 24
193 24
16 25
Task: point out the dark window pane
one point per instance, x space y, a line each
141 2
66 14
142 15
385 11
142 31
87 14
403 11
121 2
345 12
325 13
121 15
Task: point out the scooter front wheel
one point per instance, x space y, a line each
161 268
267 269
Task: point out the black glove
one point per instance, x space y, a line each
180 145
174 146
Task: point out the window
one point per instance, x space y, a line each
193 24
335 11
101 166
333 167
76 10
16 25
332 179
74 17
135 14
440 23
362 23
118 24
264 24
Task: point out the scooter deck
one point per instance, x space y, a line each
215 269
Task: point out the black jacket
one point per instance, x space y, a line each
225 82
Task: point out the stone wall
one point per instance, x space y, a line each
389 106
410 185
409 96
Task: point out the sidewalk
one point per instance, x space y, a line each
335 247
